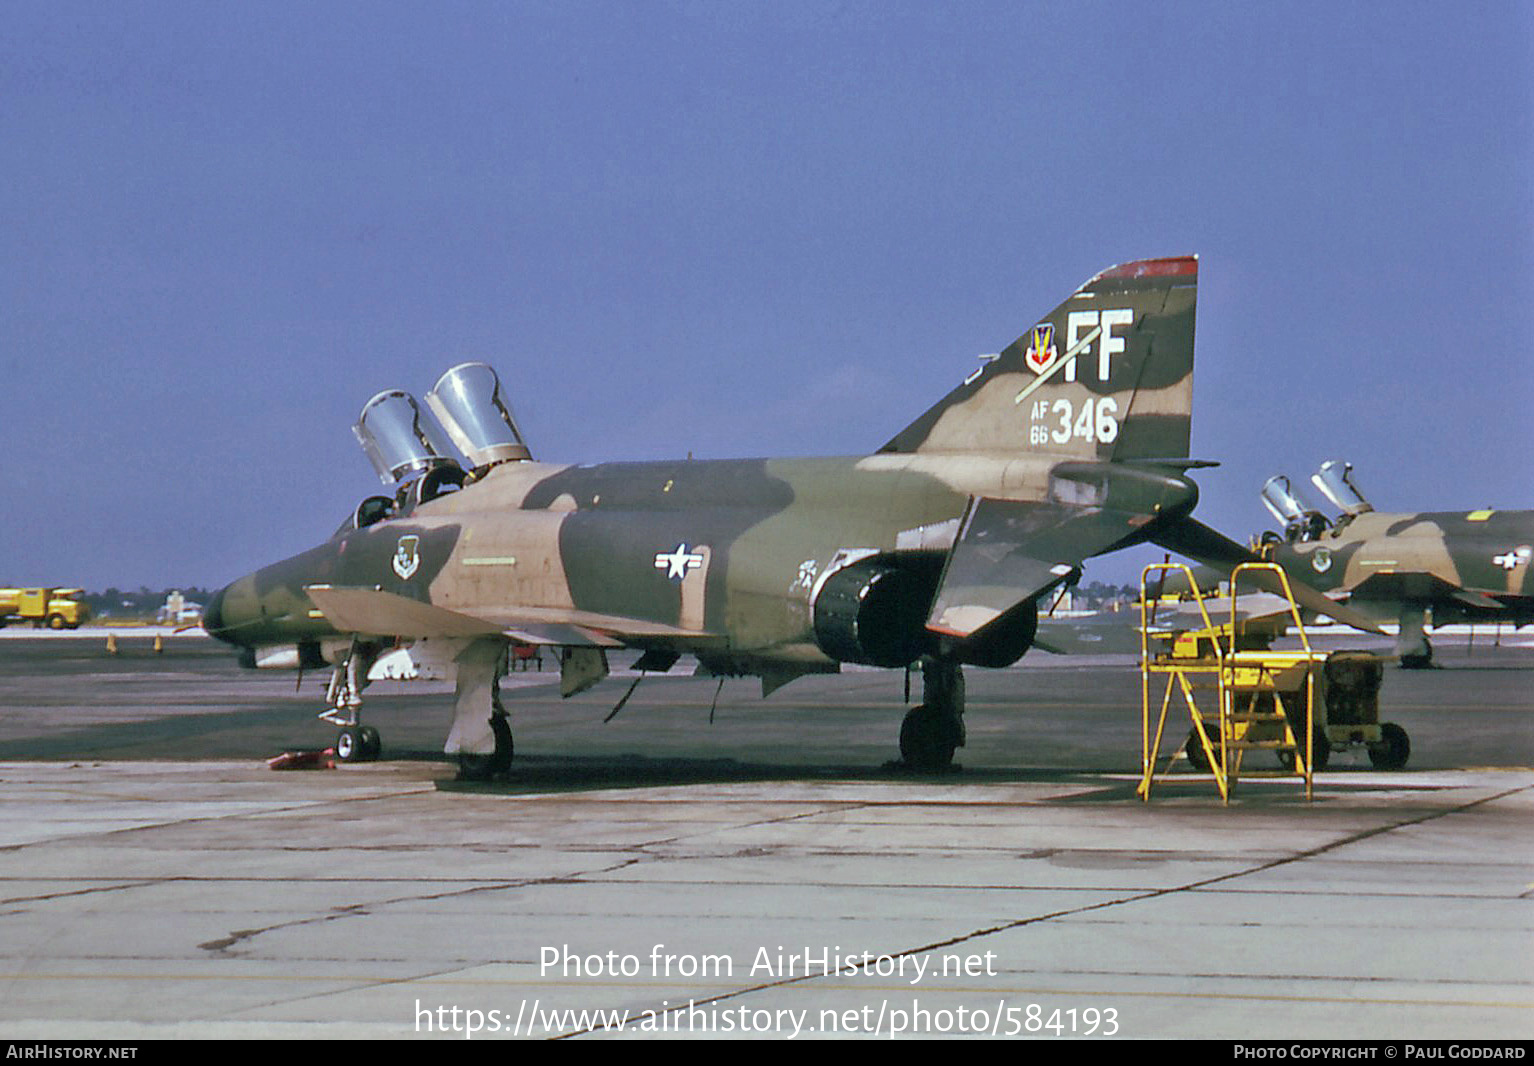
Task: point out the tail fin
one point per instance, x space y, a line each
1106 375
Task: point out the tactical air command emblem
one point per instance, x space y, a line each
407 556
1321 560
1041 348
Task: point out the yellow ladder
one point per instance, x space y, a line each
1260 693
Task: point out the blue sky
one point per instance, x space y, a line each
734 229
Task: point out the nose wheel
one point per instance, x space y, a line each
358 743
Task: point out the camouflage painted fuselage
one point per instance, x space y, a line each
710 555
1471 566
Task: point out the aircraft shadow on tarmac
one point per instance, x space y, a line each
591 774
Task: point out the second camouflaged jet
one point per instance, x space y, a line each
934 549
1455 566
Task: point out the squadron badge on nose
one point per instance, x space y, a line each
407 556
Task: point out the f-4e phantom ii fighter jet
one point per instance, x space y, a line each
1071 442
1460 566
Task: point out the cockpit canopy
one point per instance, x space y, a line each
398 441
467 400
1335 481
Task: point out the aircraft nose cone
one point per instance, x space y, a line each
233 614
213 615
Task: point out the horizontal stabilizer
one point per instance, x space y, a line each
1009 551
1192 538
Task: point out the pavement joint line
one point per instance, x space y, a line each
1087 908
358 982
305 805
512 985
223 944
118 886
844 807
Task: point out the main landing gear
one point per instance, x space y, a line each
932 730
1412 646
484 766
481 734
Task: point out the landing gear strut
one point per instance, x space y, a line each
1412 644
343 705
931 731
481 734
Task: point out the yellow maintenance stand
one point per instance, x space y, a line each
1262 697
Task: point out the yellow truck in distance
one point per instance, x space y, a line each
54 608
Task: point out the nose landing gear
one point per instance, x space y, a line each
343 705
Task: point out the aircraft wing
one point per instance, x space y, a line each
1192 538
1008 552
1478 600
1249 607
1415 586
375 612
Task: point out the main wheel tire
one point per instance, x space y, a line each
476 767
928 739
1194 748
1393 749
372 743
505 747
484 767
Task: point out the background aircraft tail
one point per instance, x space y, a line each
1107 375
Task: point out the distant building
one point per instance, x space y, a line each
178 611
